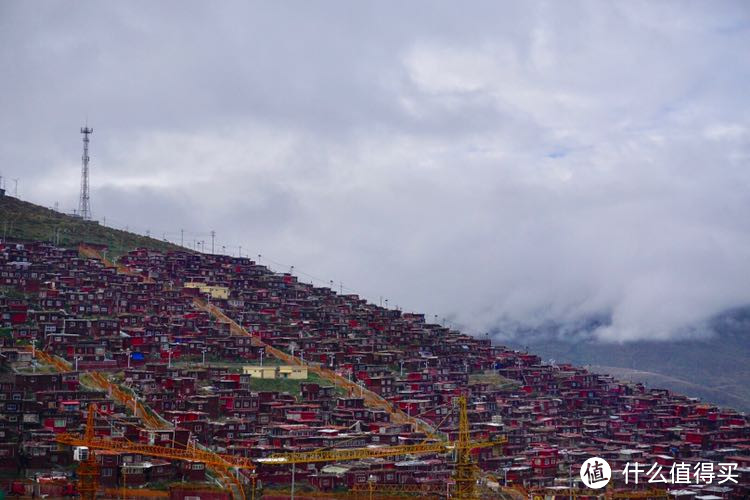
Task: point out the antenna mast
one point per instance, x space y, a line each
84 202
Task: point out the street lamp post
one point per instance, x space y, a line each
570 476
293 471
371 480
33 355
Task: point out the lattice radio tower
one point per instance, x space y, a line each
84 202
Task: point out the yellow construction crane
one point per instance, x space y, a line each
465 474
88 473
88 469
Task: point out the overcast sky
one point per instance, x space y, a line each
492 162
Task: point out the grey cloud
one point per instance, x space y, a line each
504 164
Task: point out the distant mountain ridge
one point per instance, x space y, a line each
715 369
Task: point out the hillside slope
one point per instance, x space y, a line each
22 220
714 369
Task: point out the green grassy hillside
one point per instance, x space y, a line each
20 220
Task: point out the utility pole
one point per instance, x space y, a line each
15 188
182 237
213 235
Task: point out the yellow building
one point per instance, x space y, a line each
284 371
216 292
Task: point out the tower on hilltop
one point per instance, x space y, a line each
84 201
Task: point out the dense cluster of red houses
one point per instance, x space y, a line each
142 325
